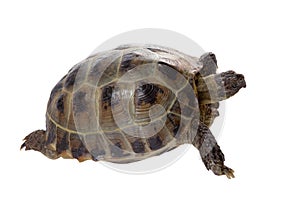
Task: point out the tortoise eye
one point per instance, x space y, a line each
234 85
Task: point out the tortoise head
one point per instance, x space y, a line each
218 87
232 82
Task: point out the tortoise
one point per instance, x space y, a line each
166 99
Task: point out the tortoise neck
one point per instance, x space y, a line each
210 89
218 87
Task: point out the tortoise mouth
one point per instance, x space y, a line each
241 80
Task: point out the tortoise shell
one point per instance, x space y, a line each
86 118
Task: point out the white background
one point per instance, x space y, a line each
40 41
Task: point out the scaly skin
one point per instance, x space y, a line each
211 90
210 152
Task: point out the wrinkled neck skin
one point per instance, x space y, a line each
218 87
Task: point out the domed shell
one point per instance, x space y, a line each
124 105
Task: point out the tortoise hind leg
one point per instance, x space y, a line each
36 141
210 152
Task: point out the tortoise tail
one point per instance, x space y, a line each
35 141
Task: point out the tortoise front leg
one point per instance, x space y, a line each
210 152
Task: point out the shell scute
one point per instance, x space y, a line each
62 140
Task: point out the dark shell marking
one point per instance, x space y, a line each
138 146
155 143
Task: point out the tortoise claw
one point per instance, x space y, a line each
23 145
228 172
222 170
